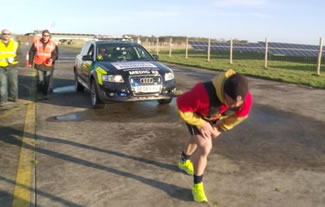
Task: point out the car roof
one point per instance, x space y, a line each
114 42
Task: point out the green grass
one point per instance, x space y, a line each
298 70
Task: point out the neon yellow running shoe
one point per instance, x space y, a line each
187 166
198 193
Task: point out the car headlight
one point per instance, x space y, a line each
113 78
169 76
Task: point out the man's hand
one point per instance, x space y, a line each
10 59
206 130
216 131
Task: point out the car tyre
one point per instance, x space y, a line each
78 86
94 98
164 101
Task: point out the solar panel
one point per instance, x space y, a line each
274 48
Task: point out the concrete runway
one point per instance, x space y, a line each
126 153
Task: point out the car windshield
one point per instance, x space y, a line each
121 53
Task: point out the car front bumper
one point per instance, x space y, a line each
121 93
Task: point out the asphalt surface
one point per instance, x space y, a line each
126 154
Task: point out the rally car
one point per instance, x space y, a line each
117 71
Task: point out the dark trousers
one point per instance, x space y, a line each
8 84
45 79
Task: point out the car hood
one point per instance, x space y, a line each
134 67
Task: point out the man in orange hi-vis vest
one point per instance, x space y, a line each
42 55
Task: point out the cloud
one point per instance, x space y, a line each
239 3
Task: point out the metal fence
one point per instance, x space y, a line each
308 57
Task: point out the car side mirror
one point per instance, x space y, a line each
155 57
87 58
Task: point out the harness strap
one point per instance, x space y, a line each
213 99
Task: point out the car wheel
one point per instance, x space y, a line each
164 101
78 86
95 101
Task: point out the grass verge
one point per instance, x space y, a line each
295 70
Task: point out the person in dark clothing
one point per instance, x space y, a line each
42 56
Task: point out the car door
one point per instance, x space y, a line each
79 61
87 64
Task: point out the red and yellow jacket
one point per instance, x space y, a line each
194 106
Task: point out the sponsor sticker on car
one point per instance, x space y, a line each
127 65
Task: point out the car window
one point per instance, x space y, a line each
121 53
142 53
84 49
103 52
91 51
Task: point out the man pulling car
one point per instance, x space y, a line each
209 109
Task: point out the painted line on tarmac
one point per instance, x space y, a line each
25 165
22 190
20 106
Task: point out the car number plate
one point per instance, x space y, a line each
147 89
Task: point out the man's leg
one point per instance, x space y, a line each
43 82
47 77
200 159
200 156
42 86
50 88
3 86
185 163
13 84
190 146
40 80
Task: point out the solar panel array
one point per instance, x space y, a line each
274 48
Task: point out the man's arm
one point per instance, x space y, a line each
55 53
240 115
188 104
18 52
32 52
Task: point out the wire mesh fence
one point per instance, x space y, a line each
294 63
279 55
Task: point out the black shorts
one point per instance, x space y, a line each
193 129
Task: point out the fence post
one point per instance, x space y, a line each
186 48
319 61
230 58
170 47
149 46
157 46
266 52
209 45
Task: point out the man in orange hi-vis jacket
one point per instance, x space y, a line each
42 55
208 109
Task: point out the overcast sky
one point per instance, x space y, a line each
292 21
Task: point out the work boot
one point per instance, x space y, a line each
198 193
4 104
12 99
186 166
